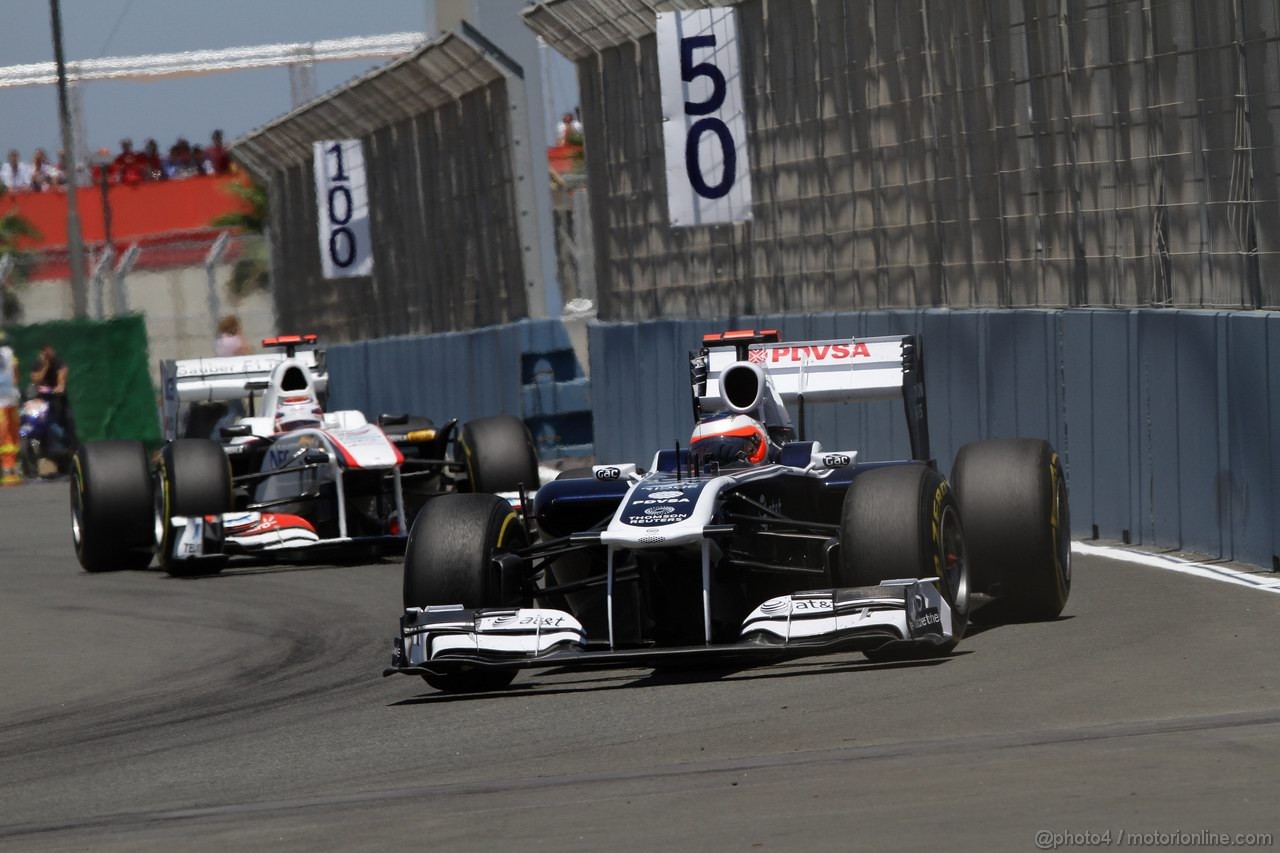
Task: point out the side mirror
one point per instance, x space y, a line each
318 456
392 420
236 431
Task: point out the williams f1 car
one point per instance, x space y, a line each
287 480
753 544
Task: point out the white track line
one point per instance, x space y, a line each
1176 564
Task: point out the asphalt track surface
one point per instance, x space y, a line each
247 711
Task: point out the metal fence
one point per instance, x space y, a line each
950 152
574 245
451 213
181 287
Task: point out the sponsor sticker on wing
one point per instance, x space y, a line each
820 353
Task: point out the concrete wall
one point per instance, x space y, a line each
1164 418
528 369
175 304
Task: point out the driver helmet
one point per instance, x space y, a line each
729 439
298 412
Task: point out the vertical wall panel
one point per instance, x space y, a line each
1198 468
1158 388
1250 489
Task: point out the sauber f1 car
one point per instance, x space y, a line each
288 480
753 544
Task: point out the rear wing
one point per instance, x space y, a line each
833 371
208 380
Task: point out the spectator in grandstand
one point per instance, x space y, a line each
129 167
42 172
570 130
199 160
219 159
15 174
60 170
102 162
180 164
155 163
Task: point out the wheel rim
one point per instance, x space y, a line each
77 512
159 512
955 565
1062 543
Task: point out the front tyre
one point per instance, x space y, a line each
111 506
193 480
1014 500
903 522
449 559
499 455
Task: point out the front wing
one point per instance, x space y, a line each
287 537
906 613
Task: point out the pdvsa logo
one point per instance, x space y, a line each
821 352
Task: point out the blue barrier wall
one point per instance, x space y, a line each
1163 418
527 369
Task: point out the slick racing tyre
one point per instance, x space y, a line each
111 506
449 560
902 521
1013 499
193 479
499 455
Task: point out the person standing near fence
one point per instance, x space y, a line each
9 398
50 378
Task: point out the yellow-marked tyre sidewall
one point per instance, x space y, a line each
1013 501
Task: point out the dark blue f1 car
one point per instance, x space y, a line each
750 545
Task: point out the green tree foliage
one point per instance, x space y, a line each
253 270
13 228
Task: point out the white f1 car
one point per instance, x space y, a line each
753 544
288 480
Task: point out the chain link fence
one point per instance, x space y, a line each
950 152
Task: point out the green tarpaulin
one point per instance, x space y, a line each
109 383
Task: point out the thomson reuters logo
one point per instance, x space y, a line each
659 510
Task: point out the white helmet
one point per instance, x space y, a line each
298 412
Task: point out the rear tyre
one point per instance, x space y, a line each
1014 501
499 455
111 506
449 560
903 522
193 479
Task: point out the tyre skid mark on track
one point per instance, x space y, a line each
972 744
293 663
1168 563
